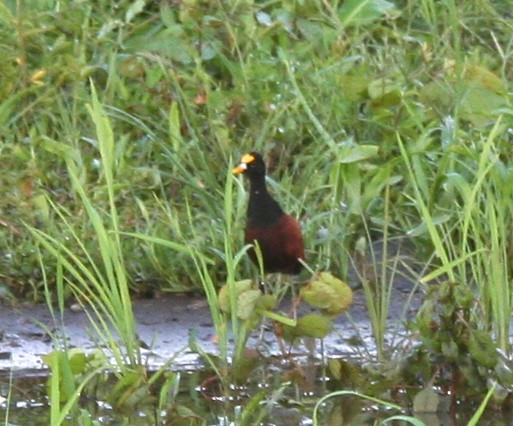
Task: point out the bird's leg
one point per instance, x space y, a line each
263 288
278 331
296 301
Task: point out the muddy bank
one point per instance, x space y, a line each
27 333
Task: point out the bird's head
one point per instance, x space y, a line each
251 164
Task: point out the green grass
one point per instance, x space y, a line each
473 241
377 120
325 109
101 284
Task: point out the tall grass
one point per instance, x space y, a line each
227 326
377 265
95 274
473 240
98 278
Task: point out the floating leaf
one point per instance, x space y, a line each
266 302
238 288
246 303
426 401
328 293
318 294
311 325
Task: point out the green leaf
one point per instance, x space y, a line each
40 202
170 41
463 296
482 348
244 365
237 288
245 296
479 96
384 93
354 86
361 12
504 373
318 294
174 127
129 391
266 302
350 375
485 78
422 229
168 15
135 8
328 293
246 303
358 153
311 325
480 105
59 364
426 401
77 361
450 351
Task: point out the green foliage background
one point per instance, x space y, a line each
324 88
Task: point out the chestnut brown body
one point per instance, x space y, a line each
277 234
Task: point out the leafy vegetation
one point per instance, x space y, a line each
119 123
324 90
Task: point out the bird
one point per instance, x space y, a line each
277 234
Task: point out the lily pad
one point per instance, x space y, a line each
246 303
328 293
426 401
311 325
244 293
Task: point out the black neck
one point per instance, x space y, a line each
262 208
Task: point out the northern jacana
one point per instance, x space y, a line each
278 234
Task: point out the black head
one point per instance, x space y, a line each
263 210
252 165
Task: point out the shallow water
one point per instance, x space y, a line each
289 400
29 332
